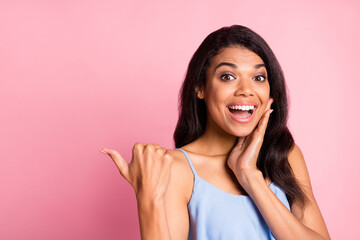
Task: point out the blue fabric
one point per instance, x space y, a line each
215 214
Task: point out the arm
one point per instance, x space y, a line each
171 212
152 219
159 187
177 197
311 215
304 223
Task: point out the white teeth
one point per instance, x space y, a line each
243 107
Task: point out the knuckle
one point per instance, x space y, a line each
149 147
137 149
168 156
137 146
159 150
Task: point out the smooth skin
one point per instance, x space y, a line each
225 156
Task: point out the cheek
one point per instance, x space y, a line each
215 101
264 93
219 92
216 97
264 96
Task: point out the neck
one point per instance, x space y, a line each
214 141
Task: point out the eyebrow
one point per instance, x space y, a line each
236 67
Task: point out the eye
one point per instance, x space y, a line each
227 77
260 78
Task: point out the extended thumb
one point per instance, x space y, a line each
120 162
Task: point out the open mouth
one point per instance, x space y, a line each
242 111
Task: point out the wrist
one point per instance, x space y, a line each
247 177
149 200
152 218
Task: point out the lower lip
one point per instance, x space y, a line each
242 120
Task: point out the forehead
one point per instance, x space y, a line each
241 56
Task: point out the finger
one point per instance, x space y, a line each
240 142
261 128
169 156
120 162
158 149
161 151
156 145
263 122
137 149
150 149
270 101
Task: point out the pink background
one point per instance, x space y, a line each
76 76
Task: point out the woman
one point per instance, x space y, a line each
236 172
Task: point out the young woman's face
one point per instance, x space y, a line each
236 92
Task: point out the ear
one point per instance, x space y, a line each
200 92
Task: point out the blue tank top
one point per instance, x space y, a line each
215 214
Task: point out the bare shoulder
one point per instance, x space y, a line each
310 214
298 165
182 177
177 196
301 174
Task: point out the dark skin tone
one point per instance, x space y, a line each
225 156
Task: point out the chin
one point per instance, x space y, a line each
242 132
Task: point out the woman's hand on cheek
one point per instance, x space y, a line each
148 172
242 159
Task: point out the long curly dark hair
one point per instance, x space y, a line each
278 141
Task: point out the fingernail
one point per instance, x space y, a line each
271 110
103 151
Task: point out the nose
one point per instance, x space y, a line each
244 88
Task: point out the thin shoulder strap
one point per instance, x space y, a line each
187 157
